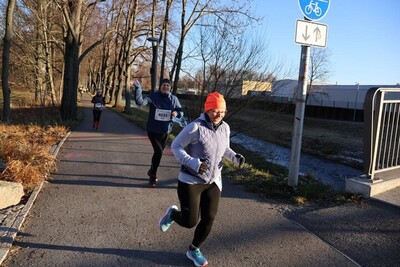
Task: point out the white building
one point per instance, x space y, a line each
327 95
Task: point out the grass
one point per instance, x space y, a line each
269 180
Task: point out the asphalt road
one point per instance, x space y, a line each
97 210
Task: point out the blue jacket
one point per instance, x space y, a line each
201 141
161 108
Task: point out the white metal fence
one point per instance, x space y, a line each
382 131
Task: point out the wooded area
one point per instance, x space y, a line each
54 47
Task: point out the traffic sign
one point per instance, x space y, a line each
314 9
310 33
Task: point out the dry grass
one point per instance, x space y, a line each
26 152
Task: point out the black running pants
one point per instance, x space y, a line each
158 141
197 200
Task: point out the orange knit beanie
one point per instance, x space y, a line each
214 101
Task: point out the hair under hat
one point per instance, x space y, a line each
214 101
165 81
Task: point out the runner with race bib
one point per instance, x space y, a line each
98 103
163 108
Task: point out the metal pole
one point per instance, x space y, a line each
153 69
299 117
355 103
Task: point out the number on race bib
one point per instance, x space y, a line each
162 115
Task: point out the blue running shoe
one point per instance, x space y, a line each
197 258
166 220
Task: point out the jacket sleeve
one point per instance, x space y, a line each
229 153
178 108
140 101
188 135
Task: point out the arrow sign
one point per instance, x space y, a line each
311 33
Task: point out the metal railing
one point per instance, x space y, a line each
382 131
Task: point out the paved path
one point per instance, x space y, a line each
97 210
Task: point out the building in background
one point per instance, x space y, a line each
326 95
244 88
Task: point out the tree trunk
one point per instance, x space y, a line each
178 67
48 56
40 85
6 60
69 100
165 39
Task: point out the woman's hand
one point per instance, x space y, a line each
241 160
203 167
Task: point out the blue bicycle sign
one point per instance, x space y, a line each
314 9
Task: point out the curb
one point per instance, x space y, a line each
12 230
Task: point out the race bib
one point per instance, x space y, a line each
97 105
162 115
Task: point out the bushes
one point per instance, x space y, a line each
25 151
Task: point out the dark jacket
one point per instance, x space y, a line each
161 107
98 102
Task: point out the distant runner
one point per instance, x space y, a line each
98 103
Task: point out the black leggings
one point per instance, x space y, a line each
96 115
158 141
197 200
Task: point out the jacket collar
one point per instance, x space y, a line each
204 117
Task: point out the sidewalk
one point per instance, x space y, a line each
98 210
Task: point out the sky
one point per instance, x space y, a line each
363 37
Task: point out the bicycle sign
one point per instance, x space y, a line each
314 9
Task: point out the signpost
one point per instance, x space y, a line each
311 33
307 34
314 9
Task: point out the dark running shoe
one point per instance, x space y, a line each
152 179
152 182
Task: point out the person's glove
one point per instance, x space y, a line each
241 160
203 167
136 84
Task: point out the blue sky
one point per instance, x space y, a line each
363 38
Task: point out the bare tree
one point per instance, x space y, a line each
237 17
165 29
8 34
43 69
37 48
128 47
227 62
319 69
76 13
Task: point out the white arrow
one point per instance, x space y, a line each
317 32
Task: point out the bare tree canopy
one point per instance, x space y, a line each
63 45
